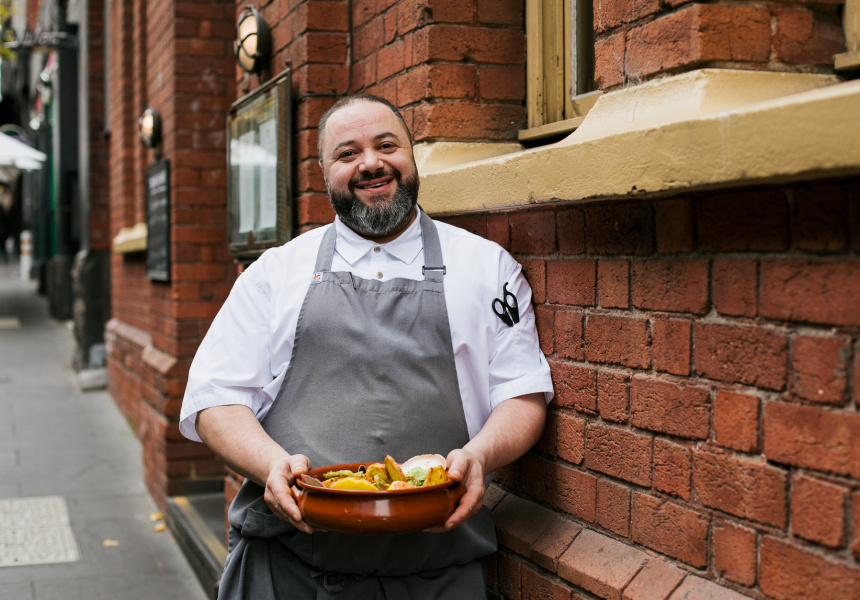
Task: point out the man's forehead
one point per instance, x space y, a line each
362 115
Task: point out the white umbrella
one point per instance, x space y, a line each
19 155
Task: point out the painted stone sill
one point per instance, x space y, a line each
704 129
130 239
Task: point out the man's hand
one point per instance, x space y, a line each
467 468
282 476
234 434
513 427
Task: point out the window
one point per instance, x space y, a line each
559 67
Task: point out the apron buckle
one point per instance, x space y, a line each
442 268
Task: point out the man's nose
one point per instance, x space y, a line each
370 160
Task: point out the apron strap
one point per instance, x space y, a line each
433 269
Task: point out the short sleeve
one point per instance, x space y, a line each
517 364
232 364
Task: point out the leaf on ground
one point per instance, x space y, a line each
110 543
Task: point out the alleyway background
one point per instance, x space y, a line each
56 441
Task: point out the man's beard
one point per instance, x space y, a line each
382 217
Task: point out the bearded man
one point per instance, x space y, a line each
376 335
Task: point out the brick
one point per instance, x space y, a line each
743 221
609 15
571 491
791 290
575 387
670 529
600 564
548 548
467 121
819 368
736 421
535 273
619 229
570 225
571 438
498 230
735 287
803 36
538 585
613 396
655 581
671 345
501 12
819 218
545 321
699 33
673 468
792 573
735 553
618 340
740 354
609 60
501 82
745 488
533 232
666 407
314 209
534 476
818 510
613 283
613 507
812 437
472 44
520 522
619 453
697 588
510 576
673 225
568 334
571 282
855 525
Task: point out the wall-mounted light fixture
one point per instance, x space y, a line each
253 41
149 127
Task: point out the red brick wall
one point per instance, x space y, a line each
706 353
175 57
456 69
637 40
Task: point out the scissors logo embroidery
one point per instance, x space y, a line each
507 309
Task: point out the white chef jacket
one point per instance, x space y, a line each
247 350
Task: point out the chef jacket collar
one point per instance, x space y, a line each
352 247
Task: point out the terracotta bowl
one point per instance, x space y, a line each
358 511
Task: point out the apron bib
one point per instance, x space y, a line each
372 373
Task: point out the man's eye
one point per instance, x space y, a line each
347 154
387 146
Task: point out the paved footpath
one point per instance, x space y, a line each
76 521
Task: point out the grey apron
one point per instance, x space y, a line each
372 373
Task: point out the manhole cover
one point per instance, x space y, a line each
35 531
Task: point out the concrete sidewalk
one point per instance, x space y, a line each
75 518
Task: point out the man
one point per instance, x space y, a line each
375 335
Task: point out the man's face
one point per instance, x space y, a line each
369 170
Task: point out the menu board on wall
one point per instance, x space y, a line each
158 221
259 200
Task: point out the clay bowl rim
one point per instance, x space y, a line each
380 494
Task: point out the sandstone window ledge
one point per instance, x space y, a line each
703 129
130 239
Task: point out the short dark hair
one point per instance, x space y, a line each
346 101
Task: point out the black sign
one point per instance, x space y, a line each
158 221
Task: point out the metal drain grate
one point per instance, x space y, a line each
36 531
